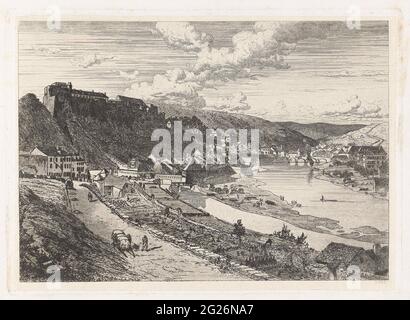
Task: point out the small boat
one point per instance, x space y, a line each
327 200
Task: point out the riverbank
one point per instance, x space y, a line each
250 195
280 259
339 181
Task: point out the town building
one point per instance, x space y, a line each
369 157
55 162
113 186
136 169
267 151
33 164
294 154
340 257
170 179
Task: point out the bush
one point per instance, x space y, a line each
285 234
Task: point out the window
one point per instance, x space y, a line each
51 166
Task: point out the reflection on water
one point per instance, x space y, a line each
309 176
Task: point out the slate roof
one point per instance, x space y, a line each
367 150
57 152
336 254
114 181
53 151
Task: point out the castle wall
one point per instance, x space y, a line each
60 99
49 102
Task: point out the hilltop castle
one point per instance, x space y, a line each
60 97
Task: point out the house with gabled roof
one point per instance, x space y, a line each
340 257
114 186
59 162
370 157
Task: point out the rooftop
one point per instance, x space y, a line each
114 181
338 253
367 150
56 152
91 93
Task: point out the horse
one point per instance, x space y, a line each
122 242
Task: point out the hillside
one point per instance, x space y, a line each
38 127
123 135
321 130
52 235
374 134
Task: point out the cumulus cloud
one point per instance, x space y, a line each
235 103
354 108
132 75
91 60
280 108
169 89
46 50
264 46
183 35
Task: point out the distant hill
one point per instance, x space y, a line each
370 135
102 137
270 132
321 130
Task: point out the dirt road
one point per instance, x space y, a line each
164 261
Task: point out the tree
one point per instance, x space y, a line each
301 239
239 230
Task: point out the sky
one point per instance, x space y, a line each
281 71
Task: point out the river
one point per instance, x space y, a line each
352 209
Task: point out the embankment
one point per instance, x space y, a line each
52 235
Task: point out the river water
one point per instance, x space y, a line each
352 209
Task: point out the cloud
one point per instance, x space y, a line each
171 88
235 103
280 108
182 35
354 108
91 60
46 50
264 46
352 74
132 75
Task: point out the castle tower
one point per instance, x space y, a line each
49 99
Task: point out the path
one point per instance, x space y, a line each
165 262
